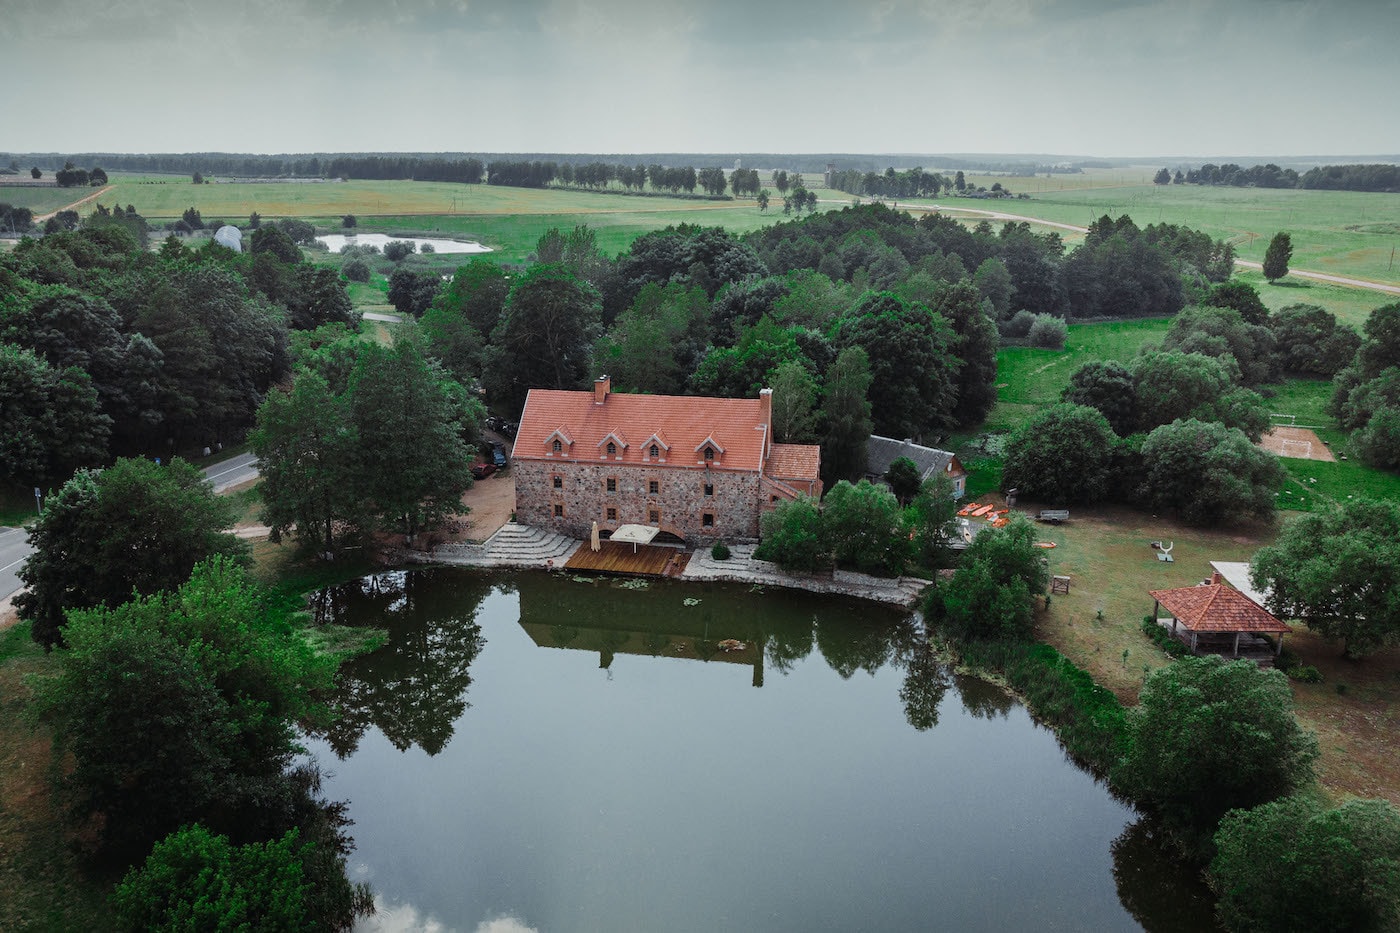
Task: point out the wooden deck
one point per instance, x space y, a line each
647 561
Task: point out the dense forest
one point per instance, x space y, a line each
1374 177
110 349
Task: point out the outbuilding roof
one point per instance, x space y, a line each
880 452
1217 607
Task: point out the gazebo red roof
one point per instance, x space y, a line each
1217 607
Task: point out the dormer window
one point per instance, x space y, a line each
654 451
556 446
612 449
709 454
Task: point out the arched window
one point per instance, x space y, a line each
557 446
612 449
655 451
709 453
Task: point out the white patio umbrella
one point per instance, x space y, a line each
597 545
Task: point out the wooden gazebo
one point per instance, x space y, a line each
1217 618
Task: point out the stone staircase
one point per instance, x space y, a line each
514 545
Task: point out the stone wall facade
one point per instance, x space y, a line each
700 506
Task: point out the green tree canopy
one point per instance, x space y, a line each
1107 386
1209 473
1292 865
132 528
412 462
50 422
846 409
1061 455
910 349
1208 737
1276 257
792 536
861 525
794 403
194 880
544 336
1338 571
992 595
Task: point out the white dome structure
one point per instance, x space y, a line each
230 236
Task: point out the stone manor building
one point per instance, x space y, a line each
698 469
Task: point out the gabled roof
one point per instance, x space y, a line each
1216 607
795 461
684 421
880 452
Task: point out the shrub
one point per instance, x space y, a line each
356 270
1048 332
720 551
1163 639
395 250
1018 325
1305 673
427 248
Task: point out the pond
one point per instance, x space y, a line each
335 242
541 752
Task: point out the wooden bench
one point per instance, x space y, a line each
1059 585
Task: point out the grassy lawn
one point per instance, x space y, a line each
1029 379
43 885
1107 553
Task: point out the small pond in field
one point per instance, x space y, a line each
542 752
335 242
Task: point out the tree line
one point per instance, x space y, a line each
600 175
1352 177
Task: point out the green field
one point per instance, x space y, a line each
1337 232
42 200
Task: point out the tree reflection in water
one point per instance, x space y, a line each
984 699
1164 892
926 682
415 687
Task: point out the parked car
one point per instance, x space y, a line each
498 455
482 470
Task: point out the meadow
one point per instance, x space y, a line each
41 200
1348 233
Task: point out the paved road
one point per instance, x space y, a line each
14 550
14 542
231 472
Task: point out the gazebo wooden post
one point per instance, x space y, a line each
1237 644
1193 642
1156 608
1278 648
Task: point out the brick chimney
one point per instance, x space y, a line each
601 387
1216 578
765 406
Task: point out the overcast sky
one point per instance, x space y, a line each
1085 77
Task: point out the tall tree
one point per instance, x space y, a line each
544 336
413 464
910 349
133 527
1209 473
1337 571
846 408
794 402
306 444
1276 257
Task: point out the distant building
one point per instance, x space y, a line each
699 469
880 452
230 236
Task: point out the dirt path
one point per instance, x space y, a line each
74 206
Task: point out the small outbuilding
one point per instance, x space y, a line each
1215 618
880 452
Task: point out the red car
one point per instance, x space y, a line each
482 470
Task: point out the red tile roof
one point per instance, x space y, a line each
1217 607
736 425
795 461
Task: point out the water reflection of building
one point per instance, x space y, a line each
659 627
